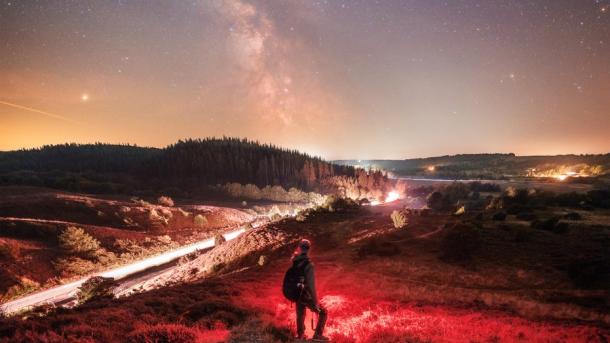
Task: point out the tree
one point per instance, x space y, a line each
74 240
399 219
200 220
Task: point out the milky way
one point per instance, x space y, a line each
341 79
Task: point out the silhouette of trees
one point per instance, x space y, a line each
187 164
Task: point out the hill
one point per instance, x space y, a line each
491 166
179 169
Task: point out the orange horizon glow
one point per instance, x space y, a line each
293 75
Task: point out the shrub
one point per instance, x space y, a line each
460 211
499 216
478 186
74 266
335 203
588 272
24 286
160 333
460 242
599 198
219 239
435 201
522 234
74 240
95 287
572 216
378 247
9 251
528 216
551 224
165 201
399 219
200 220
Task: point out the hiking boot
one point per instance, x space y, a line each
320 338
300 337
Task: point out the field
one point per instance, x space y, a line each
518 283
32 220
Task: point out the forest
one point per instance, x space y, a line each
182 168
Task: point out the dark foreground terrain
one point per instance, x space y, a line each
439 278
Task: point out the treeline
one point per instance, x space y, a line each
183 167
77 158
482 166
213 161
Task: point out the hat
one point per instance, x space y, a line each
304 244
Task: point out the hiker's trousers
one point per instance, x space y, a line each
308 304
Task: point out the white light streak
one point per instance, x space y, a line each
65 292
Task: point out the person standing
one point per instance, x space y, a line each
301 285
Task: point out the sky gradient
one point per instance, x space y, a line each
339 79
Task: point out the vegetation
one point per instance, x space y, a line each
178 168
95 287
273 193
75 241
200 220
460 242
399 218
489 166
165 201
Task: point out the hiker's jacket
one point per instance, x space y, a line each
310 281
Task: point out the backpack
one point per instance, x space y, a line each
294 279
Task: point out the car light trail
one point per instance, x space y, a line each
65 292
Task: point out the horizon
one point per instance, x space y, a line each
374 80
312 155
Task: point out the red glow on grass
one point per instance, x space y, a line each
359 314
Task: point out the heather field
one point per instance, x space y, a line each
380 284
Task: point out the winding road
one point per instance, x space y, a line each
66 292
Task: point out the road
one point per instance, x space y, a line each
67 292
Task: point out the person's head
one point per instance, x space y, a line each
304 246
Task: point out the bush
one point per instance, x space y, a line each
160 333
460 211
200 220
588 272
24 286
378 247
335 203
399 219
527 216
95 287
499 216
478 186
9 251
74 240
460 242
74 266
165 201
551 224
522 234
435 201
599 198
572 216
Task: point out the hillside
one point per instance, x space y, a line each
380 284
179 169
491 166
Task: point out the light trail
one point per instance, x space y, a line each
66 292
30 109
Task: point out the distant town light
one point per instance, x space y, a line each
431 168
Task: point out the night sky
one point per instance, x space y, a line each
340 79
